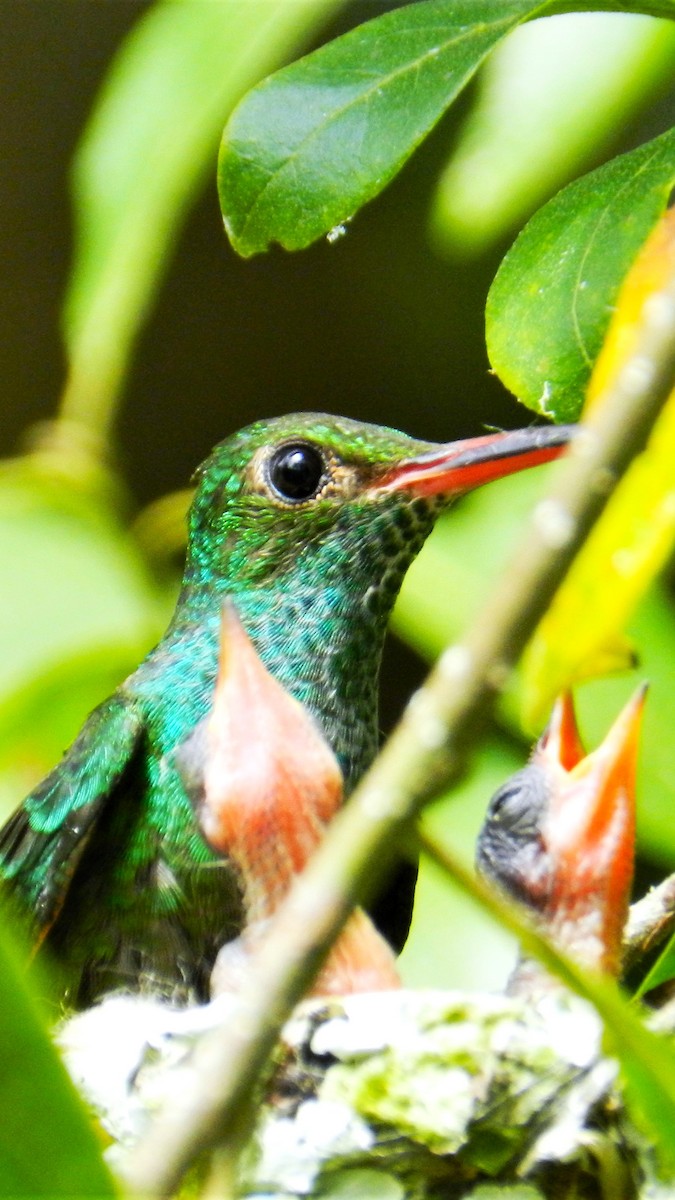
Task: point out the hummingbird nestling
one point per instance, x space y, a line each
308 522
265 784
559 837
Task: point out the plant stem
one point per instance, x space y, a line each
651 920
425 752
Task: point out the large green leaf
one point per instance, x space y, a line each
550 303
48 1147
554 95
150 140
312 144
306 148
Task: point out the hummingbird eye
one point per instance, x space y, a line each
296 471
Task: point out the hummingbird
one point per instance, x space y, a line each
559 837
307 523
265 784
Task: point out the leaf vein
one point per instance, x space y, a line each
365 97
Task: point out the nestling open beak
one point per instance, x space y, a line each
560 743
590 824
457 467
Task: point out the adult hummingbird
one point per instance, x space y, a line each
308 522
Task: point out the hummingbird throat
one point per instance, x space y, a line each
319 627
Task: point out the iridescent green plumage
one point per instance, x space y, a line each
106 853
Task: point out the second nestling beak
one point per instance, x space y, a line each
560 836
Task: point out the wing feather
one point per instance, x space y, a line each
41 844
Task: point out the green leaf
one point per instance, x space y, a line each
551 97
653 630
663 970
434 955
360 1183
306 148
38 719
551 300
70 576
77 612
462 560
648 1065
144 154
501 1191
48 1147
451 578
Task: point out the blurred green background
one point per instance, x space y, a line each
384 324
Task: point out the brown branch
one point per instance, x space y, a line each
650 921
426 751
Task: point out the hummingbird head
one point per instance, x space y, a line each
275 495
309 523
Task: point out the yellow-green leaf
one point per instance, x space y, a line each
583 628
628 546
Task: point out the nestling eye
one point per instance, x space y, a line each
518 806
296 471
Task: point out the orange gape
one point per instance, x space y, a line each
589 832
271 785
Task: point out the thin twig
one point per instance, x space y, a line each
650 921
425 752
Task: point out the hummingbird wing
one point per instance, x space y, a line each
41 844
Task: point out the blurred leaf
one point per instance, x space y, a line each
445 922
653 629
149 142
449 581
662 971
499 1191
635 534
555 93
69 577
461 560
40 718
48 1147
551 300
77 613
306 148
161 527
648 1066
